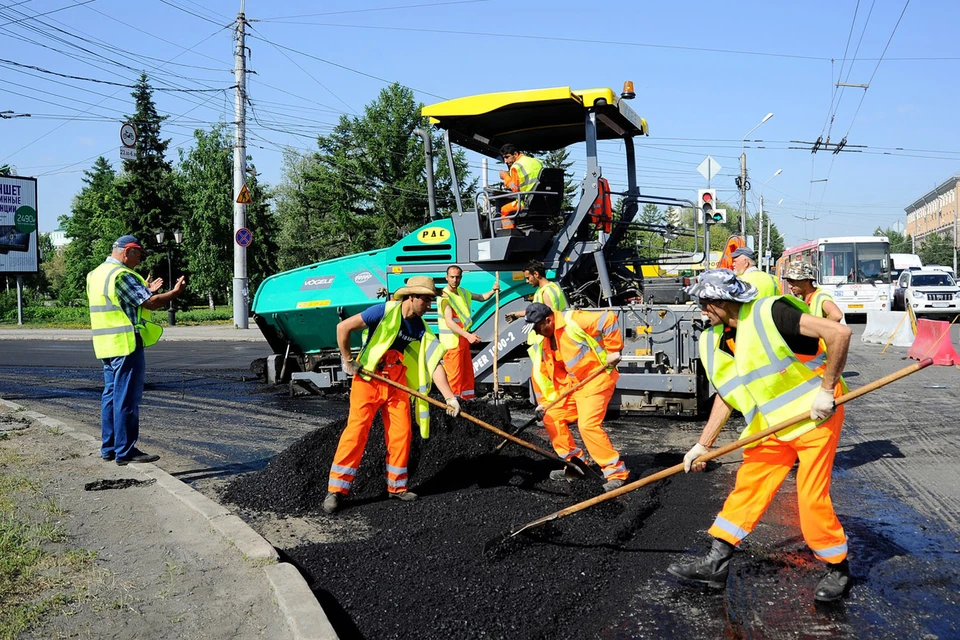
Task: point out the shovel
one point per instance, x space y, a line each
563 395
710 455
574 463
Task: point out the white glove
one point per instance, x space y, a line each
453 406
823 405
540 411
350 367
695 452
613 358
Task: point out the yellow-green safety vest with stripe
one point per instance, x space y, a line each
551 295
764 380
113 334
548 393
420 358
765 283
817 298
528 170
461 303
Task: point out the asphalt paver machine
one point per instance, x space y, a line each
592 255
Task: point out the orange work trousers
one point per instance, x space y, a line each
763 470
458 363
510 208
366 398
587 407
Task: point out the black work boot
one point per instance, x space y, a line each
710 570
834 582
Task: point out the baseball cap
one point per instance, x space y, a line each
536 312
129 242
744 251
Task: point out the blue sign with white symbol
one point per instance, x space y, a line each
244 237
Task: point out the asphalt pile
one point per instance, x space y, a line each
423 572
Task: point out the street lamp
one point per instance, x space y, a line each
178 238
760 218
769 216
743 177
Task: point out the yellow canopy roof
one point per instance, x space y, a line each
534 120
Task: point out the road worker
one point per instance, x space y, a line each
800 278
548 293
575 344
745 266
398 345
454 328
521 176
760 355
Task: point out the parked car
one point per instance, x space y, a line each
928 292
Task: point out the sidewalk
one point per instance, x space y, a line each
168 562
178 333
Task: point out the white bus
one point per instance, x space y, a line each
855 270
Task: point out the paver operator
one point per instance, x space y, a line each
398 346
764 357
118 296
521 176
745 266
800 278
575 344
454 328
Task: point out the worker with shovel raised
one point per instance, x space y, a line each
762 356
575 345
399 346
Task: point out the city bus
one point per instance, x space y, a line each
855 270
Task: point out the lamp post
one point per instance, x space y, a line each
760 218
769 236
178 238
743 177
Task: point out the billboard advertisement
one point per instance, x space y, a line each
18 225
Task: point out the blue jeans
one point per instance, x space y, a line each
123 379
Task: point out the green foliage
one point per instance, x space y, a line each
899 243
936 249
66 317
6 170
365 187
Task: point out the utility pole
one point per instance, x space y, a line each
743 196
240 292
760 232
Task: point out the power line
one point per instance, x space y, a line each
370 10
78 4
109 82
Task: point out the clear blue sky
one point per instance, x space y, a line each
705 74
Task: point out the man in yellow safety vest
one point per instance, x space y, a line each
745 266
522 175
761 354
456 318
120 303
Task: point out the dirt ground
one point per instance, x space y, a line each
158 572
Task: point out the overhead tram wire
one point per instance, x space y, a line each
835 89
197 15
38 15
108 82
371 10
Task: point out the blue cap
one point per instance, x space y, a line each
537 312
129 242
746 252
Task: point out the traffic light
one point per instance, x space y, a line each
707 203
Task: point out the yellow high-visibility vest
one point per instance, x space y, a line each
461 303
765 283
113 334
420 358
548 392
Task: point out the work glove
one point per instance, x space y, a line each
613 358
540 411
510 317
350 367
823 405
453 406
695 452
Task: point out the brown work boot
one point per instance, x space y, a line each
711 570
331 503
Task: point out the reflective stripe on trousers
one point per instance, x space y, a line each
366 398
458 363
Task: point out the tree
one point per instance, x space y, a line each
936 249
560 159
262 254
650 243
899 243
150 200
6 170
93 226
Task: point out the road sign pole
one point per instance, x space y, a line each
240 292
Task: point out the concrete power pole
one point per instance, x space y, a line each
743 196
240 292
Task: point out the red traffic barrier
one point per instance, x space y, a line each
932 343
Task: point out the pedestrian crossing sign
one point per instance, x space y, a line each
244 197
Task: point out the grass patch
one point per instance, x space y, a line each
33 580
40 317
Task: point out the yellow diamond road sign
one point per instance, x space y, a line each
244 197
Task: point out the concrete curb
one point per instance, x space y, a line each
304 615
